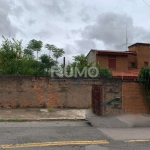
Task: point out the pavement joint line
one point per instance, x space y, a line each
131 141
59 143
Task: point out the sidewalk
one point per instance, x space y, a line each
120 121
37 114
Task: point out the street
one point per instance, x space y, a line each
74 135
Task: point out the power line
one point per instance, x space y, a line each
146 3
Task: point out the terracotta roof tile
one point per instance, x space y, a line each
130 72
114 52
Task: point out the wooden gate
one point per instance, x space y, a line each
97 99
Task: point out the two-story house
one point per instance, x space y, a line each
123 63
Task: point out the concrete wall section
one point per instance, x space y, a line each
91 57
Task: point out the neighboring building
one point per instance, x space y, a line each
123 63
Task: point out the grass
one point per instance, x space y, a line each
16 120
1 120
50 109
12 120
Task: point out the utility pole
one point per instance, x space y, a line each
126 38
126 43
64 64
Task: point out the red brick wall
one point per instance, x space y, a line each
122 63
132 58
132 98
143 54
25 91
102 60
43 92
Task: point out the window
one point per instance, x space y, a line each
132 64
146 64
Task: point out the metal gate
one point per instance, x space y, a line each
97 99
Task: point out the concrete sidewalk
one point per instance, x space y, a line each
118 121
37 114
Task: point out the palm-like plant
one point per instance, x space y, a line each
35 46
58 52
50 47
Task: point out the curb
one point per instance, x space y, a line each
40 119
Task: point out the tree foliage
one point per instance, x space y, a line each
58 52
104 72
10 55
35 45
28 53
144 79
81 62
15 60
50 47
47 62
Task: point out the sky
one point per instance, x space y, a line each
77 26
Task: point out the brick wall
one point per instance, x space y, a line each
25 91
132 98
143 54
102 60
19 91
133 59
121 63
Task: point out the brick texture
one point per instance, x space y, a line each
132 98
121 63
143 54
26 91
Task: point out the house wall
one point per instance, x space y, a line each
91 57
132 98
121 61
102 60
132 58
143 54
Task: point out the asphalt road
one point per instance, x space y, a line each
70 135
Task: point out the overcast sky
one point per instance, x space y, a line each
76 25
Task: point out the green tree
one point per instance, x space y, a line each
58 52
35 46
47 62
28 53
10 56
13 60
144 79
50 47
104 72
80 62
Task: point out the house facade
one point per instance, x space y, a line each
123 63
